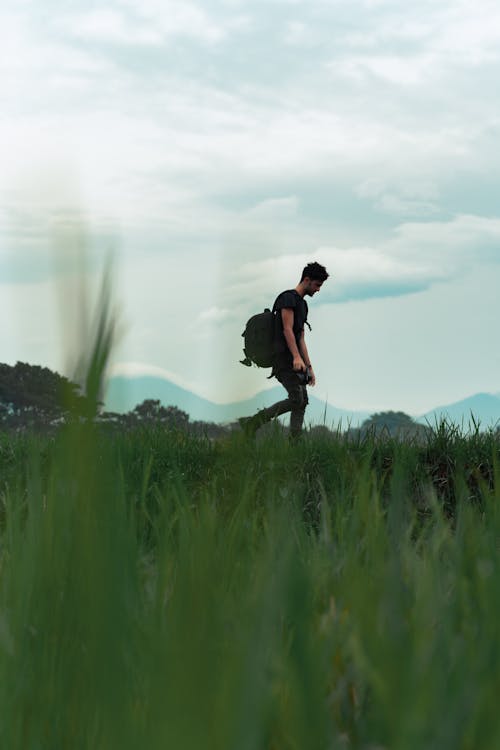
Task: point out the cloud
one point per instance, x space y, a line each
403 69
110 26
214 315
416 198
443 34
191 19
356 273
367 273
158 138
155 135
275 208
142 369
465 240
416 257
299 34
149 23
419 255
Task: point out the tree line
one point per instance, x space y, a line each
36 397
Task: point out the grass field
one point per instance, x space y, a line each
164 591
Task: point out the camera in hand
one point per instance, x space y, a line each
305 376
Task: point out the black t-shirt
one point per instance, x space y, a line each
290 300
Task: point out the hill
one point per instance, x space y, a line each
124 393
484 406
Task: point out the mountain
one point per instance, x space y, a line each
484 406
124 393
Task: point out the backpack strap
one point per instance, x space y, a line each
306 322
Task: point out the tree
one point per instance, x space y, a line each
35 392
392 424
151 410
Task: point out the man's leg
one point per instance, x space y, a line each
295 404
250 425
297 398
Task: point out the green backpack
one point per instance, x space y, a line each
259 340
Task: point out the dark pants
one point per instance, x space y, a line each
295 403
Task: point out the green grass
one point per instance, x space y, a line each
159 590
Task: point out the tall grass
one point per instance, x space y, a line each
162 591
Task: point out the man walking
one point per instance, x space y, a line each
291 361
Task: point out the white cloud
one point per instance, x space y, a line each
471 32
402 69
415 198
394 204
356 273
150 23
428 44
186 18
109 25
275 208
142 369
463 240
416 257
299 34
155 148
214 315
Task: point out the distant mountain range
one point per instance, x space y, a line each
124 393
483 407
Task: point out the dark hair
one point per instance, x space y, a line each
315 272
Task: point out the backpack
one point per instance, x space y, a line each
259 340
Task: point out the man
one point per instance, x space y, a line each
291 362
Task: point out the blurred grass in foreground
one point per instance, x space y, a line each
161 591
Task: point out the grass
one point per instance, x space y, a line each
159 590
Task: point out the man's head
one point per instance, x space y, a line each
313 276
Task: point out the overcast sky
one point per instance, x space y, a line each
217 148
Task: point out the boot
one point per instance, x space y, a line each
249 426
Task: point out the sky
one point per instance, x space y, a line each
214 149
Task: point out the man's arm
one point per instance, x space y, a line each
287 318
306 358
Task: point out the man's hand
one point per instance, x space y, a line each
313 377
298 364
